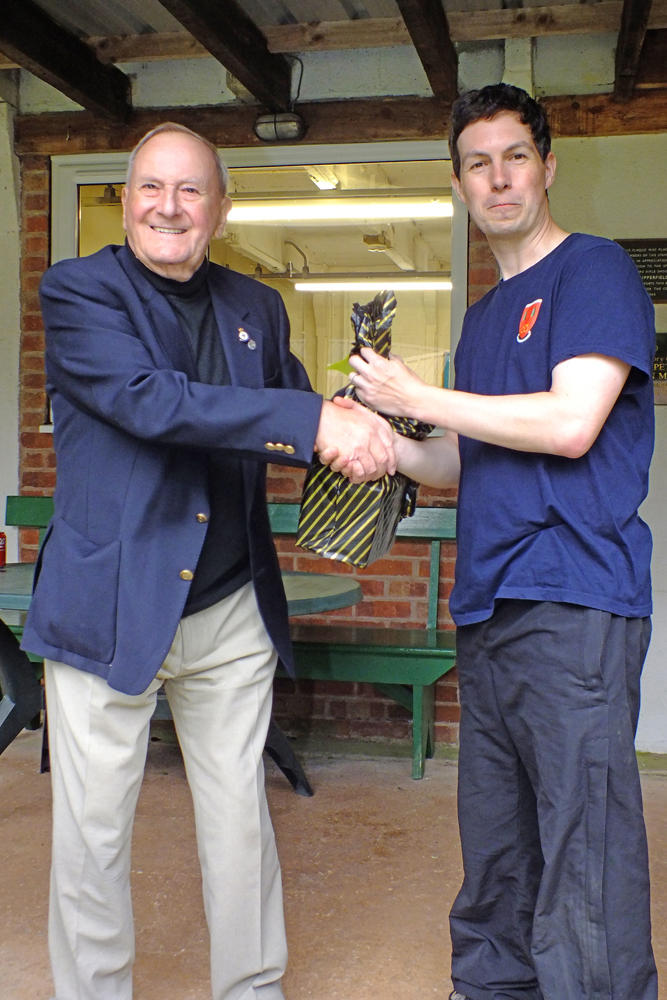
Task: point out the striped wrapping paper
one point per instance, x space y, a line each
351 523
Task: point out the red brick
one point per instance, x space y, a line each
33 323
30 302
36 244
36 264
483 276
30 282
420 549
33 460
446 694
44 480
34 161
281 486
447 713
388 567
37 223
343 688
446 733
36 202
33 342
29 536
384 609
407 588
40 442
372 588
31 419
286 562
316 564
35 181
51 459
33 380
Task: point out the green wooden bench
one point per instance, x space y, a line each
402 663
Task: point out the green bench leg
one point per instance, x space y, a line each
423 727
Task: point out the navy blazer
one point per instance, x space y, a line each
132 431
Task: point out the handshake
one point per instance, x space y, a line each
355 441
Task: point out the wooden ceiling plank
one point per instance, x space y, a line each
34 41
227 32
323 36
427 25
634 22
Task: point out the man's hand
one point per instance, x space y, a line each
386 384
356 442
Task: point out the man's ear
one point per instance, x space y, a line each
550 170
123 199
224 212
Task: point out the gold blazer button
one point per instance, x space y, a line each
288 449
186 574
270 446
202 518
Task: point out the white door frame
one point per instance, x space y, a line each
68 172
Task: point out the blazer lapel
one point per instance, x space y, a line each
241 341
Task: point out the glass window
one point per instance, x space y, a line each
326 236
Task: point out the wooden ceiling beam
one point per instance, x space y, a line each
375 120
634 22
34 41
652 70
602 115
427 25
227 32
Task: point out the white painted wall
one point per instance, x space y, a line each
615 187
9 312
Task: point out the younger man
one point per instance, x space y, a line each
551 429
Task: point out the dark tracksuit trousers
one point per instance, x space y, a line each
555 900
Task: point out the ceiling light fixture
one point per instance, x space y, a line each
338 210
287 127
373 286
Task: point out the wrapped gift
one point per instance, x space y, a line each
356 523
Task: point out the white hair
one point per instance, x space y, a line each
220 167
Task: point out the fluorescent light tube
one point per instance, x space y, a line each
373 286
339 210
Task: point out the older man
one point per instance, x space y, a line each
172 387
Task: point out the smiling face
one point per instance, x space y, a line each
173 205
503 180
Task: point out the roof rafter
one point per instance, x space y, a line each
34 41
227 32
634 22
427 24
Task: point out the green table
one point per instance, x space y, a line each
307 593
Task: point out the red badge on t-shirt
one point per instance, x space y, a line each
527 321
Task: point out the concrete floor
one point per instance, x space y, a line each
370 866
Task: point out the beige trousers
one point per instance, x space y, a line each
217 677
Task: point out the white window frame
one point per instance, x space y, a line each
69 171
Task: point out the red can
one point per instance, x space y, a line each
3 549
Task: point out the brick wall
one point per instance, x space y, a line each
483 271
37 475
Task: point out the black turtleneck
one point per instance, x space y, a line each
224 562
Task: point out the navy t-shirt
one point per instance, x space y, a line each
541 527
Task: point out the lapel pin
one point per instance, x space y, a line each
242 334
252 345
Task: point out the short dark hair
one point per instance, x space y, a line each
484 104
